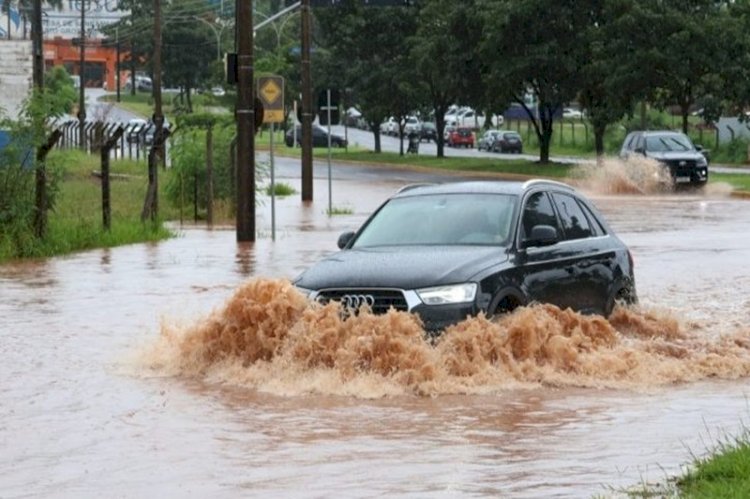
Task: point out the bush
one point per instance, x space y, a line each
735 151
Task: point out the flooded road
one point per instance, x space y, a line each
95 395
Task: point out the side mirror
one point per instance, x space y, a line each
639 150
541 235
698 147
345 239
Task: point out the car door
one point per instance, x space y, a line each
591 262
320 138
541 270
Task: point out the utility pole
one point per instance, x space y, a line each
36 31
307 118
245 123
117 64
151 204
40 184
82 81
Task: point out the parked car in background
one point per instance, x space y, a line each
320 137
411 125
133 130
428 132
461 137
685 162
508 141
487 139
572 114
389 126
472 119
150 131
450 251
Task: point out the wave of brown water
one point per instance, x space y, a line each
269 337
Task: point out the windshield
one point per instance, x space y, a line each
441 219
667 143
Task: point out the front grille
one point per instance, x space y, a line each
384 299
682 167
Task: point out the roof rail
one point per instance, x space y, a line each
409 187
536 181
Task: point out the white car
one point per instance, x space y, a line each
412 125
572 114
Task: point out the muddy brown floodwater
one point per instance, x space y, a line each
190 368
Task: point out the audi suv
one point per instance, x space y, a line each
449 251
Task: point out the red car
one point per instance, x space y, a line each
461 137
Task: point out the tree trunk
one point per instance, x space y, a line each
375 127
440 128
599 131
209 177
685 112
189 100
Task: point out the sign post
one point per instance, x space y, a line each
271 92
328 104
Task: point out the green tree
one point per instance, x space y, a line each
367 51
443 50
535 47
60 94
687 56
188 53
734 72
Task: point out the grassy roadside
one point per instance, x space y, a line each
509 167
76 222
723 474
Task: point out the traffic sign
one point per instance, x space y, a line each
271 93
325 107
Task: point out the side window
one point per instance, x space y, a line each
574 221
629 142
597 228
639 142
538 211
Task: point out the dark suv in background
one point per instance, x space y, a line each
687 163
448 251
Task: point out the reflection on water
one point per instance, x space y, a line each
252 392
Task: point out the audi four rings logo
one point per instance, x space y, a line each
356 301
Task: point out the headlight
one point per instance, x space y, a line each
702 161
441 295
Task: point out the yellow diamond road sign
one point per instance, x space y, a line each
270 91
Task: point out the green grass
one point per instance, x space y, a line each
738 181
280 189
339 210
725 474
76 223
513 167
142 103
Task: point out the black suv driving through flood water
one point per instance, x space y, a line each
448 251
687 163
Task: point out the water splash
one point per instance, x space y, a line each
269 337
637 175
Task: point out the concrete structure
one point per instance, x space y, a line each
732 128
15 75
101 62
64 21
